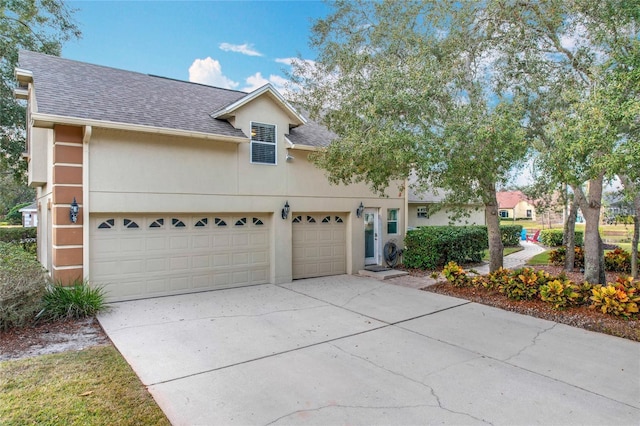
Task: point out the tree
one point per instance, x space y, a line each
37 25
563 53
407 87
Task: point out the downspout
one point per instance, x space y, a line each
85 200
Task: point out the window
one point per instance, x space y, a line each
529 214
392 221
128 223
107 224
263 143
220 222
202 222
158 223
504 213
177 223
423 212
241 222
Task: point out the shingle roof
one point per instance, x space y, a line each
76 89
311 134
509 199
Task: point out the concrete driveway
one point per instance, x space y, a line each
353 350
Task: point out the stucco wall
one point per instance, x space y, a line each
152 173
441 217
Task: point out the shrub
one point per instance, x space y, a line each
431 246
557 257
14 217
497 278
456 275
25 237
553 237
523 284
76 301
510 235
619 298
22 284
562 293
618 260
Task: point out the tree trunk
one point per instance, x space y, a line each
493 227
569 236
634 241
632 188
590 206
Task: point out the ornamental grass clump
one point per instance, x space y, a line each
76 301
22 284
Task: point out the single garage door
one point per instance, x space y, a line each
136 256
319 244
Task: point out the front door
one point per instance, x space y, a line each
371 237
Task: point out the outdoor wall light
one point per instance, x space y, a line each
73 211
285 210
360 210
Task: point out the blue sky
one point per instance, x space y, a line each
233 44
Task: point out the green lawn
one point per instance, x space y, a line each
90 387
505 251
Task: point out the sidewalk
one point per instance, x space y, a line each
514 260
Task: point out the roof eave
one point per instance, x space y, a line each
291 145
48 120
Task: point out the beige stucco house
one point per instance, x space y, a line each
428 208
515 205
183 187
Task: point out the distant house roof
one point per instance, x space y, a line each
509 199
67 88
30 208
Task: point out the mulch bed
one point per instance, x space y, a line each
583 317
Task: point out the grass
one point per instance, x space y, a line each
506 251
94 386
540 258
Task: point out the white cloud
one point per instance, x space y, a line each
245 49
256 81
209 71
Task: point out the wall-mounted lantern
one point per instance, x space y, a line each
73 211
285 210
360 210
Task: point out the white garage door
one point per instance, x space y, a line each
319 244
136 256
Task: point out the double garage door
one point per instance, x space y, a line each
145 256
136 256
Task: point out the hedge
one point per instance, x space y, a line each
553 237
431 246
25 237
510 235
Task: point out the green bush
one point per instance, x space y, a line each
14 217
25 237
510 235
22 284
431 246
75 301
553 237
557 257
618 260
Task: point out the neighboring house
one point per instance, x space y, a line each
515 205
426 208
29 216
182 187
